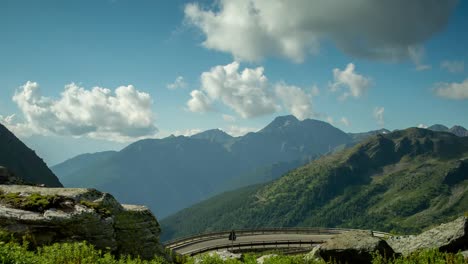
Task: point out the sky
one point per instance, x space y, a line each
95 75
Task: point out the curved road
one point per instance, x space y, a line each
289 238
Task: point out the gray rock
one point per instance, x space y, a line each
262 259
448 237
354 247
313 255
82 214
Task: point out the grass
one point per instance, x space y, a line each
104 212
31 202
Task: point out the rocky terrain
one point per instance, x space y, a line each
49 215
359 246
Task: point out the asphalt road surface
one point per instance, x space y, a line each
307 238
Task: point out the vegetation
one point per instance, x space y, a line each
64 253
31 202
104 212
84 253
400 182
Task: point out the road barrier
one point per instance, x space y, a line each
190 240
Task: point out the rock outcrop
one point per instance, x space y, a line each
354 247
448 237
49 215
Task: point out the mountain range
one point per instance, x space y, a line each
205 164
400 182
457 130
23 162
172 173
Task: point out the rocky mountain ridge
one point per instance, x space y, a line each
23 161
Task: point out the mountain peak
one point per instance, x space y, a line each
216 135
439 128
281 121
459 131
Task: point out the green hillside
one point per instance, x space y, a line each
402 182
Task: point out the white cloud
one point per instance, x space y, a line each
456 91
199 102
453 66
422 126
237 131
296 101
254 29
246 92
356 84
122 115
379 115
330 120
229 118
345 121
179 83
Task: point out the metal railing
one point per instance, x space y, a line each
190 240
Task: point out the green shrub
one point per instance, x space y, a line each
64 253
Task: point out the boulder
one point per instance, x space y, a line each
448 237
313 255
48 215
354 247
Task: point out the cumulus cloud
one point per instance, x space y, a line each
345 121
249 93
254 29
237 131
453 66
179 83
379 115
246 92
122 115
456 91
296 101
355 83
199 102
422 126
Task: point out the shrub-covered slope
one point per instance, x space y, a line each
402 181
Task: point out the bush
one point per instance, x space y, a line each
65 253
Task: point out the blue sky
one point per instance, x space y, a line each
408 67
